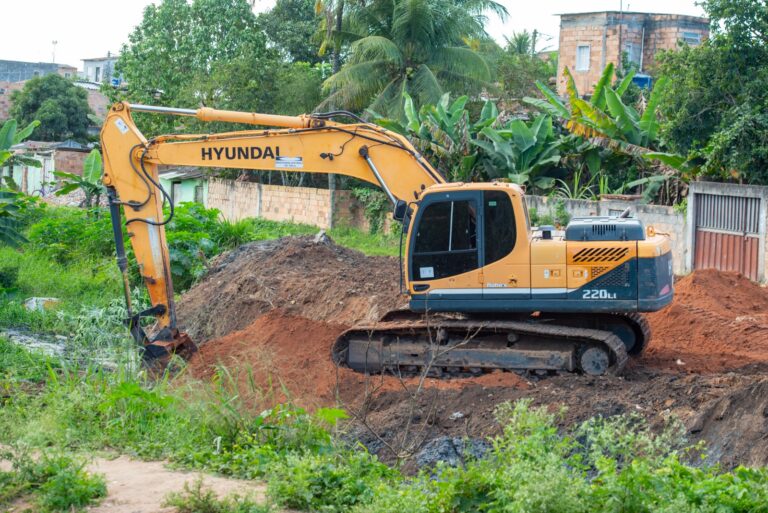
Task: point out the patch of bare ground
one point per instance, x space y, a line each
135 486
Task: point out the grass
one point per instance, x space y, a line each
370 244
196 498
233 234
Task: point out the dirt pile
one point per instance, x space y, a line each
270 312
316 280
287 357
718 321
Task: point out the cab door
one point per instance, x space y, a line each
506 263
446 247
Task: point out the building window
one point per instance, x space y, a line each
633 53
582 58
67 75
692 38
97 75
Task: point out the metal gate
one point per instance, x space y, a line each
727 233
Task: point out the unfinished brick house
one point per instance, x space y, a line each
66 156
590 41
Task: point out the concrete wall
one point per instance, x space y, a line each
318 207
663 219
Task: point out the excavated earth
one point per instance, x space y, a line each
270 311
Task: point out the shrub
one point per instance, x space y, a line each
326 481
9 275
69 234
197 499
59 481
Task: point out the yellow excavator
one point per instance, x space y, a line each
487 291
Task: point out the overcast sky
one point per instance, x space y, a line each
91 28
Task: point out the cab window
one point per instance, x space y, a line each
446 240
500 229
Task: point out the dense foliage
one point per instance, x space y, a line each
716 110
57 103
11 202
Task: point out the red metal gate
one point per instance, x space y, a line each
727 233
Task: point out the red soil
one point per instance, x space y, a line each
289 357
271 311
717 322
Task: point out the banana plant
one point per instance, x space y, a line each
9 222
89 183
605 118
521 152
443 133
10 135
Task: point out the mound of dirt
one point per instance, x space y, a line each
718 321
286 357
316 280
270 312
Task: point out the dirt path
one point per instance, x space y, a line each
135 486
142 486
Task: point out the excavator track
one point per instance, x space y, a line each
408 342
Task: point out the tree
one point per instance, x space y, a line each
715 114
59 105
518 68
414 46
292 28
179 52
89 182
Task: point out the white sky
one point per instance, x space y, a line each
90 28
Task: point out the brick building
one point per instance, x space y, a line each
590 41
66 156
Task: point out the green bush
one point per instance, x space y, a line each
332 482
9 275
69 234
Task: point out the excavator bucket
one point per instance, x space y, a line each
180 345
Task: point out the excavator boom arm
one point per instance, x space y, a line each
308 143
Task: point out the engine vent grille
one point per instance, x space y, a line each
598 270
600 255
618 277
603 229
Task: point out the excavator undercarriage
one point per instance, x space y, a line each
440 344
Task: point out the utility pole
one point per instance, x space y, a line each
621 26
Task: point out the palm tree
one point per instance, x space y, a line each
419 47
521 43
